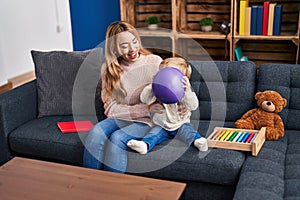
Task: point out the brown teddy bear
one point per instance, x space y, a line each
269 104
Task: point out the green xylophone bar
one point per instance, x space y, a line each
229 135
233 136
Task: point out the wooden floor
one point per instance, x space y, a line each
17 81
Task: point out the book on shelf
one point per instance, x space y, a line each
253 20
277 20
247 3
271 18
247 20
265 18
259 20
242 17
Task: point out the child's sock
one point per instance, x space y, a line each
139 146
201 144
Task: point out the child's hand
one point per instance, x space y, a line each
186 83
182 111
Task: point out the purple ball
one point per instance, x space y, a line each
167 85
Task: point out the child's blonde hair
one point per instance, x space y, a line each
179 63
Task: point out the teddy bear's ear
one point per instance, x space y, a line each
284 102
257 95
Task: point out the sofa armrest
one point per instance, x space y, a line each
262 177
17 106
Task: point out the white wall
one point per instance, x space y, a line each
3 77
27 25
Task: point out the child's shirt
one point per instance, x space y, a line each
171 119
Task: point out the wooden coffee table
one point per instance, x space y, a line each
22 178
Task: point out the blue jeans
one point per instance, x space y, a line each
106 144
157 134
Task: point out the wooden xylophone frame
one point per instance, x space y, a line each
254 146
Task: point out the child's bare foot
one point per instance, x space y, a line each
201 144
139 146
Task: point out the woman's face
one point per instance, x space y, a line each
128 46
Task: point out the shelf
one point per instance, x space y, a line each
260 49
180 33
204 35
295 39
192 34
263 37
160 32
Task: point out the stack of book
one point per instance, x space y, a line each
260 19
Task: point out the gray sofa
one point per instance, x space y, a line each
225 91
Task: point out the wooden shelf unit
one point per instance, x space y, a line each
271 49
180 30
180 22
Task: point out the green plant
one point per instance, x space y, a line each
206 22
152 20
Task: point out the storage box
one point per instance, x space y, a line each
237 139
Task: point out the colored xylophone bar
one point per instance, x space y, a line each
234 136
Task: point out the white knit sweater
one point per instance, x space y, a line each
171 119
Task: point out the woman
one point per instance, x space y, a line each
128 68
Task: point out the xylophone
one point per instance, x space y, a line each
237 139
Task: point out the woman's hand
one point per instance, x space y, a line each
156 107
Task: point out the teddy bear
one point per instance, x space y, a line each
269 103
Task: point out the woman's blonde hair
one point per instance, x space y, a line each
113 70
179 63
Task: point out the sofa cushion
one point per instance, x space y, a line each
225 89
56 73
262 177
41 138
283 78
292 166
274 173
217 166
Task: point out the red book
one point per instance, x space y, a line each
75 126
265 18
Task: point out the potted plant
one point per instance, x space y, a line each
206 24
152 22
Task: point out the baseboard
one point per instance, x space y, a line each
22 79
17 81
5 87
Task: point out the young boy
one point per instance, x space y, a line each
174 118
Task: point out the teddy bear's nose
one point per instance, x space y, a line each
269 103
